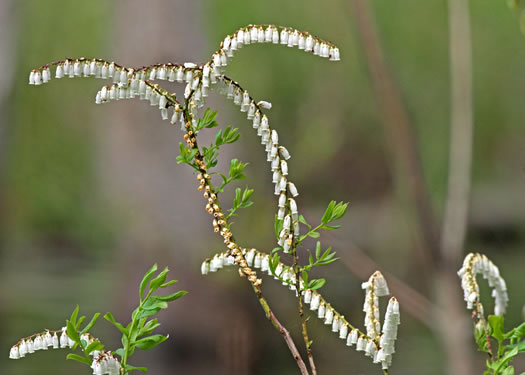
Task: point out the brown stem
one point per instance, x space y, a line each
282 330
304 327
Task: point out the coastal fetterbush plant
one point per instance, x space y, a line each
283 262
138 334
489 333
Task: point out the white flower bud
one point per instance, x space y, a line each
257 261
284 36
275 36
329 316
321 312
284 168
282 184
264 104
268 35
240 38
280 212
260 35
301 42
308 296
14 353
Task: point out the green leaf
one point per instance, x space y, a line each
172 297
150 342
278 226
317 250
72 332
316 284
171 282
146 279
79 322
109 317
149 327
90 324
305 277
130 368
159 280
508 371
120 352
328 213
74 314
303 221
496 324
76 357
314 234
518 332
330 227
95 345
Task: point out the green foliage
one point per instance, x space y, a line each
235 173
241 200
207 120
509 344
333 212
74 332
138 333
186 156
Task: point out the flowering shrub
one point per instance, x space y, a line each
486 331
377 341
283 263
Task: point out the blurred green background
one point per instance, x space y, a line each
91 196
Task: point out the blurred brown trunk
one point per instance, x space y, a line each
440 261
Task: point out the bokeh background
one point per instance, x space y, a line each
91 196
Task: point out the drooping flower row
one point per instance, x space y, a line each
478 263
379 347
44 341
375 287
274 34
276 154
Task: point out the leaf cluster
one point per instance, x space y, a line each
138 333
74 332
509 344
241 200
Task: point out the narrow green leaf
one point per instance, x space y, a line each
130 368
317 250
328 213
109 317
95 345
72 332
171 282
303 221
316 284
90 324
76 357
74 315
159 280
172 297
150 342
146 279
314 235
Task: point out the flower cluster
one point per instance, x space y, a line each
105 363
375 287
477 263
276 154
379 347
274 34
40 341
